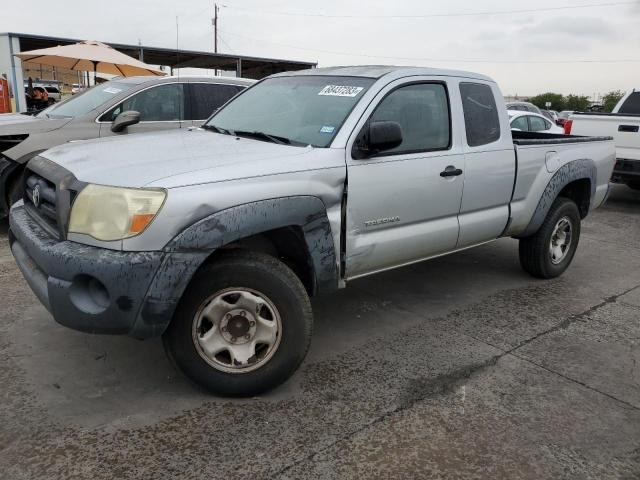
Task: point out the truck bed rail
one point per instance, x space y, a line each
539 138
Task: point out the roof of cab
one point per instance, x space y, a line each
150 79
378 71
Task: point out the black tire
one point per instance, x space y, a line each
634 185
14 188
534 252
271 278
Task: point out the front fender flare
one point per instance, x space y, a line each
235 223
575 170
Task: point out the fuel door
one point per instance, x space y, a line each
552 160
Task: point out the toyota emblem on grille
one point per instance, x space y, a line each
35 196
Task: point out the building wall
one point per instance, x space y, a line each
12 67
65 76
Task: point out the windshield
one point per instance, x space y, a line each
83 103
303 110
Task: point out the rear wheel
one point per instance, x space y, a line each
242 327
548 252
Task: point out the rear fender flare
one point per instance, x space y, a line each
575 170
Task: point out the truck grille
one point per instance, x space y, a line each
49 192
40 198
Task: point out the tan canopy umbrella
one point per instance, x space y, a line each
90 56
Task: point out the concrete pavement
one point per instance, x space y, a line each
461 367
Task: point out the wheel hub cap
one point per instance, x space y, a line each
238 326
560 240
237 330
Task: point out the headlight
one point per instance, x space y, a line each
113 213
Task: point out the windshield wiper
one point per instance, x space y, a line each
213 128
268 137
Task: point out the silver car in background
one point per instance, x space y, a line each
523 107
117 107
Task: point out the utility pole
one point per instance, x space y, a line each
215 31
215 27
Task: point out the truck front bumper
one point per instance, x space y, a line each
97 290
626 171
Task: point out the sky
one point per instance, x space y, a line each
527 47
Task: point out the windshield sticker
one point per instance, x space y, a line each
112 90
327 129
340 91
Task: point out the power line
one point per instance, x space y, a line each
434 15
425 59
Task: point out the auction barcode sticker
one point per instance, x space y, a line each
340 91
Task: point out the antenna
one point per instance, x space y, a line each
177 46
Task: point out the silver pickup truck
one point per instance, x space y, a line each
216 237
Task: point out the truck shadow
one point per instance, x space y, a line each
93 380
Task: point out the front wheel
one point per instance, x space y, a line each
548 252
242 327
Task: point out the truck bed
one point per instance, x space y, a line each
539 155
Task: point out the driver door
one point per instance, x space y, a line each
403 204
161 107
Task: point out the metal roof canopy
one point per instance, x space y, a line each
244 66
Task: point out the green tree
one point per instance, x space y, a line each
556 99
576 103
611 99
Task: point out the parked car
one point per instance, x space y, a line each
523 107
563 116
216 237
117 107
532 122
54 94
623 124
77 88
551 115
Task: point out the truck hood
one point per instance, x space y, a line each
171 158
17 124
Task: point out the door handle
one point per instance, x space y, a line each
628 128
451 171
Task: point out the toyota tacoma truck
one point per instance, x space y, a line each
215 237
623 124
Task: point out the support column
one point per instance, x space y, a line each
12 67
239 68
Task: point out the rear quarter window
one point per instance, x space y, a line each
631 104
480 114
206 98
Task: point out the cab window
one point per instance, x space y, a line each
163 103
422 110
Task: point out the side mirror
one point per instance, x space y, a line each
377 137
122 121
